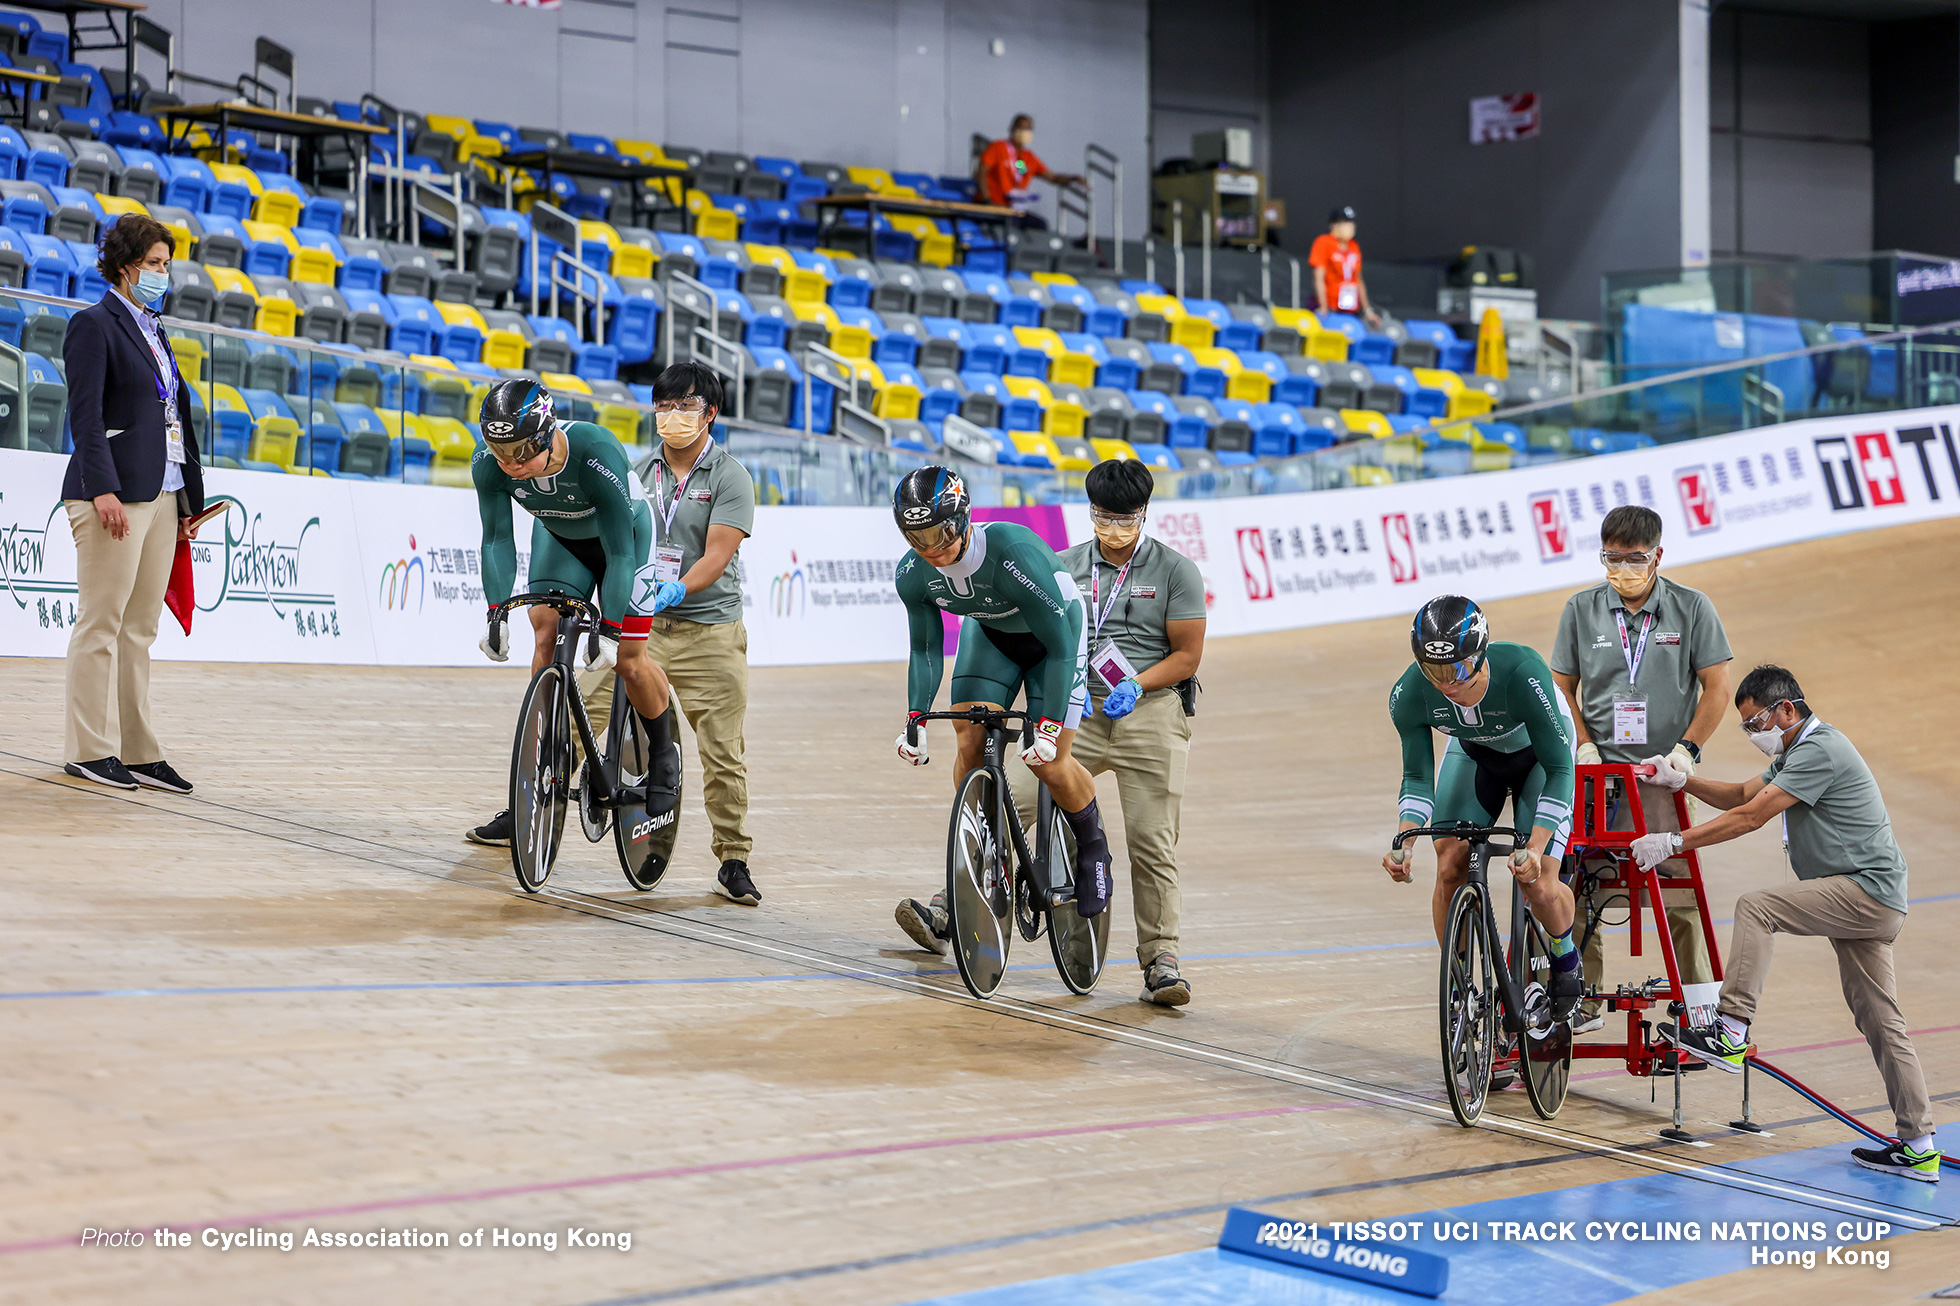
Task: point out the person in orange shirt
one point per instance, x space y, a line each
1336 260
1008 166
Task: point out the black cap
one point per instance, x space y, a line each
1345 213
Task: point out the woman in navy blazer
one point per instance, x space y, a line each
133 475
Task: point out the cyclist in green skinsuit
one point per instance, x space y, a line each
592 534
1028 627
1510 735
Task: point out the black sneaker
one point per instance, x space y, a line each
159 775
733 883
104 771
1901 1160
1163 985
494 833
926 924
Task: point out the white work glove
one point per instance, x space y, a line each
1396 863
1523 859
604 649
916 754
1669 774
1682 759
496 642
1588 754
1047 736
1650 850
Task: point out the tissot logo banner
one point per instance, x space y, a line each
1698 504
1400 544
1878 469
1860 471
1548 524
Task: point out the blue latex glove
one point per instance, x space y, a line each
669 593
1122 700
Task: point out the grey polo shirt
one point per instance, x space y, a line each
1839 825
717 492
1686 638
1162 586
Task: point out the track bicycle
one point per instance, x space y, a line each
1477 994
543 785
989 897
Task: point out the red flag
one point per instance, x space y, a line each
179 598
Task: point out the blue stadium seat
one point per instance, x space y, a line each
416 324
49 167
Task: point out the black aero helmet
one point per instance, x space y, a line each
516 420
932 508
1450 639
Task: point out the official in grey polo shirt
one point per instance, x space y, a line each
1146 610
703 508
1637 621
1850 889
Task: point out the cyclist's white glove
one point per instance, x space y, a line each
1047 737
1668 771
1650 850
1396 863
606 653
1523 859
916 754
496 642
1588 754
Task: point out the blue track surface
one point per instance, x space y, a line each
1577 1273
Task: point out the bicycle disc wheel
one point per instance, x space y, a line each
1468 1007
1080 946
643 836
540 788
979 893
1545 1051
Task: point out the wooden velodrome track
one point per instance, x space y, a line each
787 1104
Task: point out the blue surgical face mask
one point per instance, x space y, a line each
151 285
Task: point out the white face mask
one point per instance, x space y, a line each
1770 741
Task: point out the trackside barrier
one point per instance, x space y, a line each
1803 1090
1312 1246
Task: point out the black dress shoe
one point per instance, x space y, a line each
104 771
158 775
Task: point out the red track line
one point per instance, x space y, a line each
682 1171
1777 1052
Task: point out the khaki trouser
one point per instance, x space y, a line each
708 667
119 587
1861 931
1149 750
1683 916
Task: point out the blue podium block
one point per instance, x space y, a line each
1309 1247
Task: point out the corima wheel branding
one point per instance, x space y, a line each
652 823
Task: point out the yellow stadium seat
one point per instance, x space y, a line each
243 176
436 361
644 151
1193 332
279 207
278 316
623 422
313 265
1400 450
270 231
866 370
397 423
1118 449
226 399
1470 403
449 125
449 438
897 402
461 315
1072 369
274 440
455 475
1053 278
902 192
1493 458
632 261
119 204
181 239
1036 442
1329 346
1042 338
503 349
1253 387
1366 474
603 232
718 224
231 279
851 341
1026 387
1065 418
1435 378
1223 359
478 147
190 356
1300 319
774 255
1366 421
816 311
916 225
937 250
876 178
565 382
805 285
1164 306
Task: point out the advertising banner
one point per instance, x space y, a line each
307 569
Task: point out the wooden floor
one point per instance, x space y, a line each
331 1013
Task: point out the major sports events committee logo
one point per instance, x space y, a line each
789 592
1549 525
400 579
1698 504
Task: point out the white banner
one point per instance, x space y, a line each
307 569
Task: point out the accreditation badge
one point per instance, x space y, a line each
1110 665
1630 721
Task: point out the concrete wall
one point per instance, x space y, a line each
1370 107
891 83
1915 135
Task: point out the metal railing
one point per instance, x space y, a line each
1081 203
819 362
717 344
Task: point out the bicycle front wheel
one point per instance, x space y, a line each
1545 1051
540 778
979 892
1079 946
1468 1006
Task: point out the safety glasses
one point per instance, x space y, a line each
1120 521
1638 561
694 405
1762 721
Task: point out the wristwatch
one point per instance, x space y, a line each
1694 750
1674 842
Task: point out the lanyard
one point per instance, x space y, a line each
1101 612
166 378
1634 653
680 492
